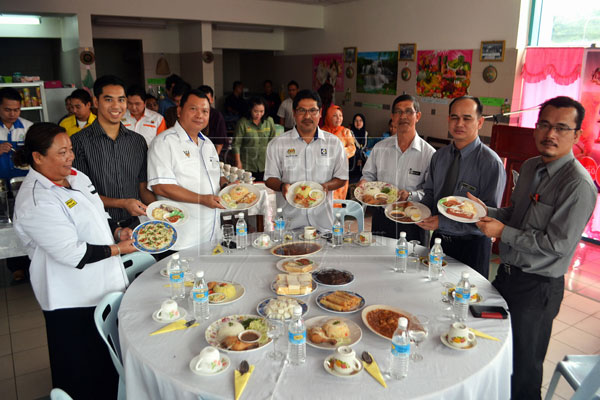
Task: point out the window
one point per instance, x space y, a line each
558 23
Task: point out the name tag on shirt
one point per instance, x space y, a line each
467 187
413 172
70 203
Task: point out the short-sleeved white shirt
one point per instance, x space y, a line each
174 159
290 159
407 170
55 223
286 111
147 125
17 131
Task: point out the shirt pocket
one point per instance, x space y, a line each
538 216
291 162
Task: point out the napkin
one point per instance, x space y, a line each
217 250
241 381
483 335
174 326
373 369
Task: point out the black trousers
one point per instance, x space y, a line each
383 226
534 302
472 250
79 359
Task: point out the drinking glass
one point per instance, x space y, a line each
446 302
274 331
228 236
418 334
413 257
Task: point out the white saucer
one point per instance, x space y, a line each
182 314
333 372
444 338
315 238
257 246
225 362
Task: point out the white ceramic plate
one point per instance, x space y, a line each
212 331
333 372
154 205
360 191
182 314
444 338
423 210
240 291
239 206
314 287
478 207
261 307
225 363
361 305
301 236
368 309
355 332
314 186
280 263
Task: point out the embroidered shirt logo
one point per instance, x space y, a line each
187 153
291 152
71 203
323 152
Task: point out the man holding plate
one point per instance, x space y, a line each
306 153
402 160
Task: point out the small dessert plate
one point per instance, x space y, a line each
182 314
472 343
328 365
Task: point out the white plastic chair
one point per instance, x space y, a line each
59 394
352 208
136 263
582 373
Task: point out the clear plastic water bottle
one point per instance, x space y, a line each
337 237
400 351
297 338
401 263
176 276
199 296
462 295
436 258
241 231
279 226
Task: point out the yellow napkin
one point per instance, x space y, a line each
373 369
483 335
217 250
241 381
173 326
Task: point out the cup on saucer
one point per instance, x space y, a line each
460 336
345 361
233 170
209 360
246 175
169 311
365 238
310 233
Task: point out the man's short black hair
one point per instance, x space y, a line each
307 94
150 96
107 80
191 92
67 98
267 81
236 84
566 102
82 95
9 93
136 90
290 83
405 97
180 89
171 80
475 99
207 89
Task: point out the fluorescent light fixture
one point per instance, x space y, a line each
13 19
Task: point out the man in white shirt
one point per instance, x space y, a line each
286 109
183 166
306 153
140 119
402 160
12 131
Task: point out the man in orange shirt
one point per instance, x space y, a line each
139 118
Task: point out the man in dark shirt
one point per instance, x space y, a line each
235 103
272 99
177 92
112 156
216 130
169 101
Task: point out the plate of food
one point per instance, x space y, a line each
383 320
296 249
407 212
305 194
327 333
378 194
296 265
280 308
169 211
333 277
340 301
154 237
224 292
294 285
240 196
461 209
223 333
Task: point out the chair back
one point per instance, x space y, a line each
135 263
591 383
352 208
59 394
105 316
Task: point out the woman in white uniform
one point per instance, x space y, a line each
60 219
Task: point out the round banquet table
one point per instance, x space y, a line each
157 367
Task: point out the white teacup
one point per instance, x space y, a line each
310 233
221 164
226 167
209 360
233 170
247 175
232 177
459 335
365 238
345 361
168 310
240 175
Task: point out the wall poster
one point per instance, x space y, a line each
328 68
377 72
444 73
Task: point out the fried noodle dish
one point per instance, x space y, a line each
155 236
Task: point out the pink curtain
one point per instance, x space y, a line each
549 72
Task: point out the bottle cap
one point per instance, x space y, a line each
338 215
465 274
279 209
402 234
240 215
297 310
438 241
402 323
200 274
175 256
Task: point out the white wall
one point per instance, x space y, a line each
153 40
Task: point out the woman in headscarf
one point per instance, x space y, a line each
333 124
359 130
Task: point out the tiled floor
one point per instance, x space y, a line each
24 365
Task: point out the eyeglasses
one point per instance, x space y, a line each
559 128
408 112
303 111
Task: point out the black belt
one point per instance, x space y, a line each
513 271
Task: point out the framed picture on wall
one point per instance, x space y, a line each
492 51
349 54
407 51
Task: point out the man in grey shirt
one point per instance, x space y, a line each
539 231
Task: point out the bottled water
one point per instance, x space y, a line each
297 338
279 226
176 276
400 351
436 258
241 230
337 237
200 297
462 294
401 254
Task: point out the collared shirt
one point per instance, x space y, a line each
216 129
481 173
164 105
149 125
70 123
115 167
15 136
250 142
290 159
174 159
407 170
544 240
55 224
286 111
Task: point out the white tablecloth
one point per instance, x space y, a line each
157 367
10 245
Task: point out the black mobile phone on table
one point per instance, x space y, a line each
496 312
